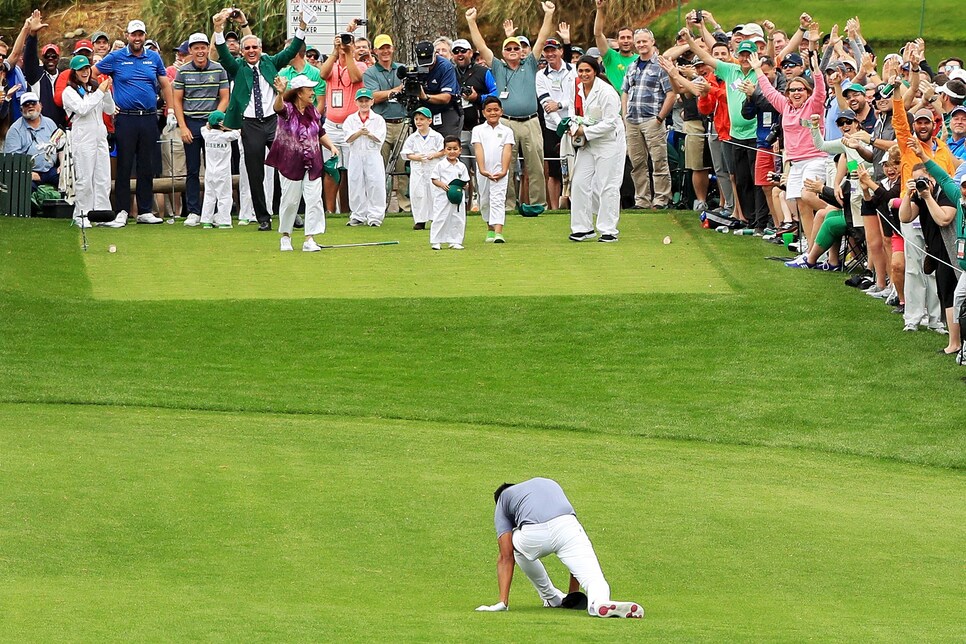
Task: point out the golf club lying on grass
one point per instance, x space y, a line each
385 243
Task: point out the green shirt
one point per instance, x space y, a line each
517 88
379 79
741 128
616 65
310 72
954 194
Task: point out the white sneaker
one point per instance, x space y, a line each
83 222
192 220
119 222
456 246
149 218
308 247
619 609
286 244
911 327
244 222
436 246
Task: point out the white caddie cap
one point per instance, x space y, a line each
136 25
27 97
301 81
196 38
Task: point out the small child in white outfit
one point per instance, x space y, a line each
422 149
449 218
365 132
493 148
217 172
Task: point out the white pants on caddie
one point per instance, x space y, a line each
92 171
596 178
367 187
292 191
421 196
492 199
919 289
216 207
564 537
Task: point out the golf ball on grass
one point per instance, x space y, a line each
112 248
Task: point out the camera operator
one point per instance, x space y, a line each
476 84
439 90
343 78
382 80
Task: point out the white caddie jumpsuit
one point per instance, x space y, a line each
217 175
599 167
492 193
88 139
366 172
449 220
421 188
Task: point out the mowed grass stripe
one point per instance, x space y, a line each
173 262
149 524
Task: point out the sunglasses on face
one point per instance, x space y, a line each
511 49
845 122
460 50
796 89
28 103
251 47
790 65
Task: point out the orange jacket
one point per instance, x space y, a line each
716 102
935 148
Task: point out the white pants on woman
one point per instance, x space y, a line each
597 175
292 191
564 537
922 301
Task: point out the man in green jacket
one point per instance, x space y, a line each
250 104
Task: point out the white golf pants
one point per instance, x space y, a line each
922 301
596 184
564 537
292 191
492 200
367 186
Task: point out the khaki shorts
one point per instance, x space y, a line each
696 153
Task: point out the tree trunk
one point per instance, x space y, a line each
412 21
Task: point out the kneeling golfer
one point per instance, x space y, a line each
534 519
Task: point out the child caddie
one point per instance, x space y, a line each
493 149
422 149
449 176
364 133
216 209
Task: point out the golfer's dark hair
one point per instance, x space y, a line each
596 66
452 139
492 99
499 491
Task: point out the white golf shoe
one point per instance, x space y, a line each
285 244
149 218
309 246
192 220
618 609
119 222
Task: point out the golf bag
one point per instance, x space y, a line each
712 219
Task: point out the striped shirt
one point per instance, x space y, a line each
646 86
201 88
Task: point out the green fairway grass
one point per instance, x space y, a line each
153 524
537 260
756 452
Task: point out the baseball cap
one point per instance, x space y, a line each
849 62
97 35
577 50
593 51
511 39
958 74
151 43
462 43
79 62
49 47
136 25
83 44
183 48
524 40
363 93
793 60
923 113
231 34
950 92
747 45
381 40
424 111
196 38
552 42
959 109
846 114
752 31
217 117
301 81
27 97
854 87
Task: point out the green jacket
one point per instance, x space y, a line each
239 72
954 194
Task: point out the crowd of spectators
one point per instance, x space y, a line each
815 140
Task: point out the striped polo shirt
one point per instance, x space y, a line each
200 87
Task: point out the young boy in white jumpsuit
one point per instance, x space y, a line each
449 220
493 148
422 149
217 172
599 167
365 132
88 139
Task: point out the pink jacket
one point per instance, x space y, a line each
798 138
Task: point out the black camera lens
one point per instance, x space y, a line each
922 185
235 14
362 22
346 39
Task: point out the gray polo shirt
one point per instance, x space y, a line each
519 86
535 501
379 79
201 88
